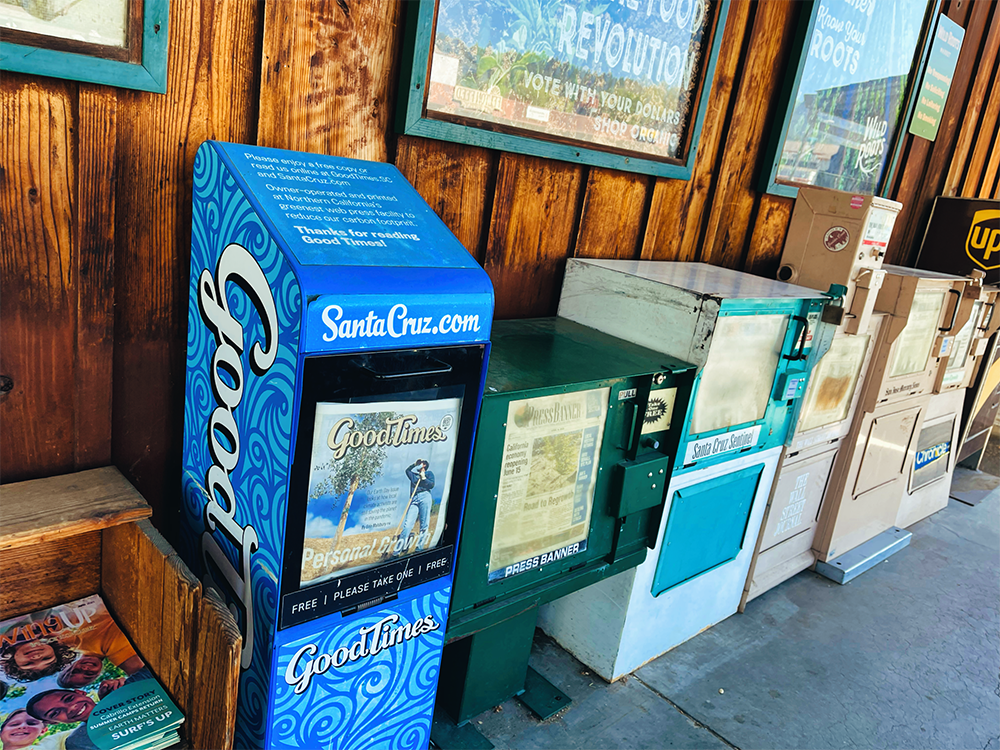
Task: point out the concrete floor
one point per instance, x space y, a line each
907 655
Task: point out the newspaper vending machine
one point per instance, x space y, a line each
754 342
573 453
859 526
337 345
833 237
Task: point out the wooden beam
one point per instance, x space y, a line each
328 73
962 169
912 220
456 181
734 203
48 573
531 233
211 77
95 238
612 218
41 510
678 211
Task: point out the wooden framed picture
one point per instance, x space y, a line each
115 42
618 84
845 109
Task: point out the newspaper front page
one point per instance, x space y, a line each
547 479
831 388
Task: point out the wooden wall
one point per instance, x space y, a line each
95 187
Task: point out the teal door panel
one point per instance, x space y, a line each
706 527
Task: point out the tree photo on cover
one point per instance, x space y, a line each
378 485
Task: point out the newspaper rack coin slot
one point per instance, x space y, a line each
572 457
338 336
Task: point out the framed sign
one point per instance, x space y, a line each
114 42
622 85
938 75
846 107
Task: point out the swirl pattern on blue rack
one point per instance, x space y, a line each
383 700
222 215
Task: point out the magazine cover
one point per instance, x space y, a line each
378 483
70 679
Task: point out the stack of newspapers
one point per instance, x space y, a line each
69 678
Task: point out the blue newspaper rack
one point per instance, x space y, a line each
338 336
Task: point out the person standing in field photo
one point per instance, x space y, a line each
419 506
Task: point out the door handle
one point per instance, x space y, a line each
954 313
800 340
987 321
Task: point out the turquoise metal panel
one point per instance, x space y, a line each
806 340
706 527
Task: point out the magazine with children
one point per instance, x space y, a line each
69 678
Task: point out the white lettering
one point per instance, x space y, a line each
372 639
238 266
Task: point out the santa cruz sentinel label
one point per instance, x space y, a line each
698 450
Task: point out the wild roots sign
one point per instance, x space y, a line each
857 65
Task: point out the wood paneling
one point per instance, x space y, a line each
328 75
531 233
210 78
456 181
678 211
95 200
927 164
38 275
152 595
184 634
216 662
768 238
41 510
964 173
49 573
735 200
95 241
612 219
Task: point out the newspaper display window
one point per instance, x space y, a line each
913 346
955 370
548 474
736 381
379 483
831 389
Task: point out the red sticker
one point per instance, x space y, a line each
857 201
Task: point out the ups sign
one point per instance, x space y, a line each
983 242
963 235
